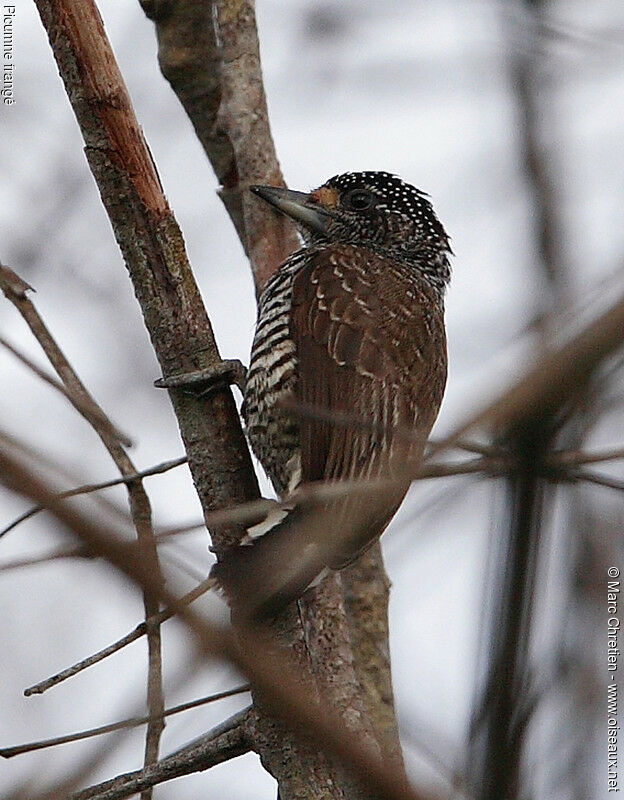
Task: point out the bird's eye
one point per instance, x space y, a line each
359 199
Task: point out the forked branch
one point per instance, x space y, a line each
16 291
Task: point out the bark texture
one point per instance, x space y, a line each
180 331
213 64
210 55
153 249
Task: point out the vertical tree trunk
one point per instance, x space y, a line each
155 256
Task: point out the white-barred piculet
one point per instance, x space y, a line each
348 369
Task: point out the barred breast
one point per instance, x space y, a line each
271 379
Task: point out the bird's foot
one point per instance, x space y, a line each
202 381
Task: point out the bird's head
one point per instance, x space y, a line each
376 210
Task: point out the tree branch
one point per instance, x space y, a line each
153 249
274 672
88 488
124 724
223 743
209 53
86 407
498 726
140 508
367 594
132 636
556 377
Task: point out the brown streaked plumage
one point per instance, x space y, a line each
352 325
370 343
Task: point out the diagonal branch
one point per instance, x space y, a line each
153 249
124 724
15 290
223 743
600 480
559 375
88 488
115 647
85 406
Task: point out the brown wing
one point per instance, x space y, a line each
371 347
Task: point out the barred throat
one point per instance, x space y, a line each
271 379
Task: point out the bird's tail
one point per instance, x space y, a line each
268 571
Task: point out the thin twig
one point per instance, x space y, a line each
131 722
575 458
245 513
248 512
600 480
426 472
273 671
57 469
83 552
470 446
15 290
140 508
34 561
84 407
130 637
228 740
87 488
403 432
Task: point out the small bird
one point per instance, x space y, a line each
348 369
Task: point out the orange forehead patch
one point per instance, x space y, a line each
326 197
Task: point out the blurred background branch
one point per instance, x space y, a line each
15 290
